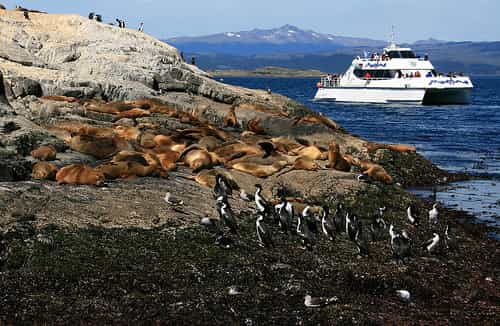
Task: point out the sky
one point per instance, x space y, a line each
452 20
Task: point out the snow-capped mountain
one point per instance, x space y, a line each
287 38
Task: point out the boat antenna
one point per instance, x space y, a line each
392 42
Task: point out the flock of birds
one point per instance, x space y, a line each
308 226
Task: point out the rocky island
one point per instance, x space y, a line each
99 123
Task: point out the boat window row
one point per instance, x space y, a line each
377 73
402 55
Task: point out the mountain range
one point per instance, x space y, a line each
291 47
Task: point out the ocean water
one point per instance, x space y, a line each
455 137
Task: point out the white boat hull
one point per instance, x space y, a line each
371 95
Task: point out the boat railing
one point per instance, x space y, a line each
329 82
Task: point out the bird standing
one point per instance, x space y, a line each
263 233
433 214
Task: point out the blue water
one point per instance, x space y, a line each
455 137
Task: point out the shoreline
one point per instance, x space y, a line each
273 72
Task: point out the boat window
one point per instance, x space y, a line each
394 54
408 54
378 73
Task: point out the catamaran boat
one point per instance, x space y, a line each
397 75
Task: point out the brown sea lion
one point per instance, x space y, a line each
146 139
253 126
130 156
230 119
312 152
44 153
259 170
230 151
77 174
372 147
210 143
134 113
127 132
317 118
198 159
305 163
98 147
78 128
59 98
285 144
43 171
336 160
168 160
163 140
377 172
113 170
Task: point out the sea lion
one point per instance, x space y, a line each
44 153
230 119
127 132
230 151
305 163
207 178
372 147
377 172
336 160
284 144
146 139
168 160
312 152
259 170
130 156
98 147
78 128
253 126
134 113
59 98
113 170
198 159
77 174
317 118
210 143
43 171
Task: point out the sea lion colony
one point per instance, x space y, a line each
146 149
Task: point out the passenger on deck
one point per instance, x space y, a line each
429 75
367 75
417 74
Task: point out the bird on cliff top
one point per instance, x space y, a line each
400 244
261 203
327 224
285 213
171 200
413 214
263 232
317 302
433 214
226 215
432 244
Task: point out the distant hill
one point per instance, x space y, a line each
285 39
291 47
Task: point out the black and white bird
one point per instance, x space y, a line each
378 228
285 213
26 14
305 233
263 233
222 187
351 226
327 224
434 214
226 215
318 302
212 225
171 200
262 204
141 27
339 218
91 15
413 215
432 245
400 244
310 220
361 241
